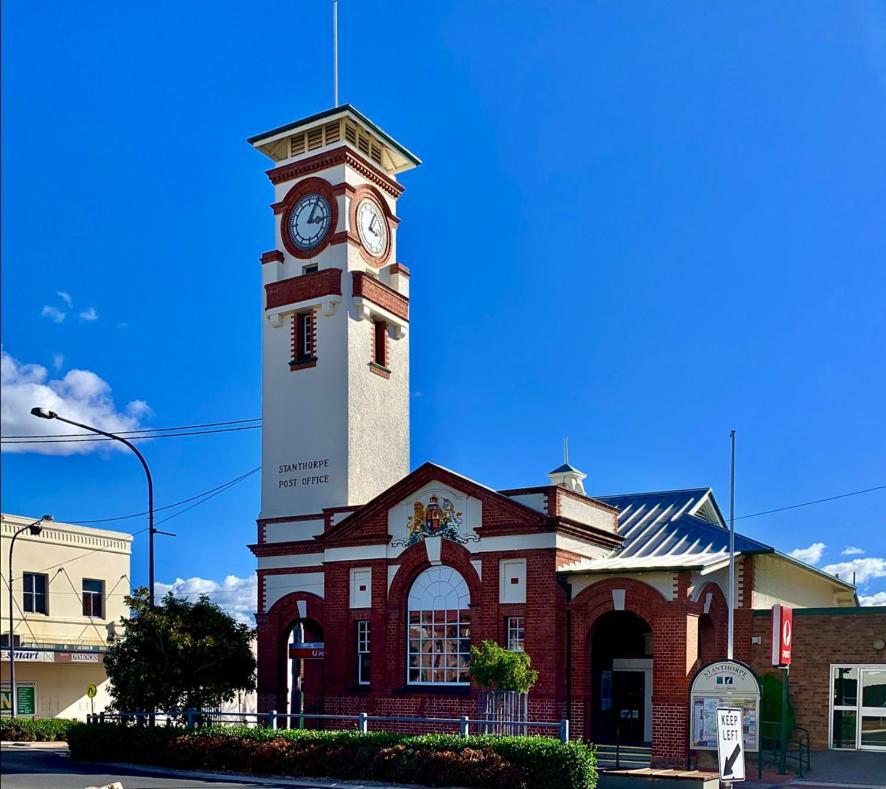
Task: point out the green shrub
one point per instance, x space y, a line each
430 760
35 729
493 666
771 689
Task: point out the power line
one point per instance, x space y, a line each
217 491
808 503
146 429
168 506
56 440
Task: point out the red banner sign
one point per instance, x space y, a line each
782 634
315 650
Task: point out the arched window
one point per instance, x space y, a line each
439 638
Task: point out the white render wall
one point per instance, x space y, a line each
338 414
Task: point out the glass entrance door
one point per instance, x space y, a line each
872 723
858 707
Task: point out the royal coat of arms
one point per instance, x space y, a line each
437 519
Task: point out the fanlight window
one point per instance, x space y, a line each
439 647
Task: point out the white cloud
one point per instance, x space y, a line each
237 596
878 598
89 315
810 555
122 325
58 361
53 313
65 297
864 569
851 550
80 395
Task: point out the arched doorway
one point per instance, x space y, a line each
304 658
621 671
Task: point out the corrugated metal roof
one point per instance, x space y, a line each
667 530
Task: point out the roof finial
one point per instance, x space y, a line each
566 450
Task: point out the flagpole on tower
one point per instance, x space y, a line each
335 51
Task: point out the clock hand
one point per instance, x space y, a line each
313 219
374 226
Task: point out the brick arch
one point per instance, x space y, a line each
415 559
640 599
273 633
587 608
713 626
412 562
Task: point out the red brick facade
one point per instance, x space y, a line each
821 638
687 623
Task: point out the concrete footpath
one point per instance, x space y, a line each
832 770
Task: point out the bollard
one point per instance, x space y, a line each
101 717
363 723
464 728
190 718
272 719
564 730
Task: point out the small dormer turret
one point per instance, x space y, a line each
567 476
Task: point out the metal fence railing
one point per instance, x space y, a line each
191 718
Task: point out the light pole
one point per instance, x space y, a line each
46 414
35 528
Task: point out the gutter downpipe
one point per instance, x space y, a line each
567 587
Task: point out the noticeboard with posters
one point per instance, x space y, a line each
26 694
724 683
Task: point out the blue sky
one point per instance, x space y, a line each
637 224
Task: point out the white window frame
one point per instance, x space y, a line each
33 594
440 598
515 625
364 646
305 328
99 594
857 708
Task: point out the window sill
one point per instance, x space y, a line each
384 372
303 364
432 690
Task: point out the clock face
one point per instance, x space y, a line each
309 221
373 228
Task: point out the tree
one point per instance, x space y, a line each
178 655
493 666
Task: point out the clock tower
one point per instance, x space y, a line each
335 316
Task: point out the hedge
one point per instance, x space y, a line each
430 760
35 729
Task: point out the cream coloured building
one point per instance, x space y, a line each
68 588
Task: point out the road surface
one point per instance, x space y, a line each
43 768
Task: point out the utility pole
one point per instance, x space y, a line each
731 637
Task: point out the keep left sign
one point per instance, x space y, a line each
730 744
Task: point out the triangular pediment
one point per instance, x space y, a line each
391 516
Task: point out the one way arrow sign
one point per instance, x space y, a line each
730 744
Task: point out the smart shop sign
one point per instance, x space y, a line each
725 683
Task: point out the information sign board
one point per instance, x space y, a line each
724 683
730 744
26 694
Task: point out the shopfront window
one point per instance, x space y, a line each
439 637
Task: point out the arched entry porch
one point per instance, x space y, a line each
621 671
291 676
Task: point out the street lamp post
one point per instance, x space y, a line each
46 414
35 528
